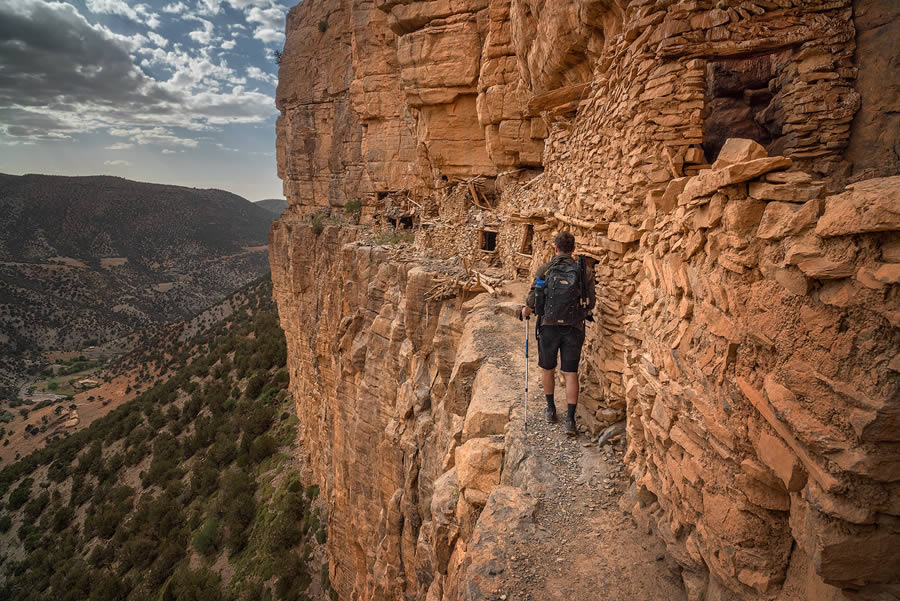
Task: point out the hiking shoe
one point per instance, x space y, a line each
550 414
571 430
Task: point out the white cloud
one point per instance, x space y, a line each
238 106
174 8
209 7
153 135
270 23
189 70
139 13
117 163
242 4
120 146
202 36
158 39
212 7
267 35
167 151
257 73
62 76
31 131
131 43
228 45
269 17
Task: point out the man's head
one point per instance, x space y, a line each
564 243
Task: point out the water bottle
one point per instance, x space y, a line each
540 290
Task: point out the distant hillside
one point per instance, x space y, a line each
273 205
88 259
107 376
190 491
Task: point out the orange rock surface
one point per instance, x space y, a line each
743 231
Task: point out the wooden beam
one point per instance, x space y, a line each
476 199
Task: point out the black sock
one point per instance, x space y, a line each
570 414
550 402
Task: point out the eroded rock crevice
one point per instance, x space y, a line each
730 173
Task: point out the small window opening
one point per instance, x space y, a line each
405 223
739 103
527 247
488 240
381 195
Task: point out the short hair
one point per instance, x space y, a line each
564 242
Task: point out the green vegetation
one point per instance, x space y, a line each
318 223
387 237
73 366
150 501
354 207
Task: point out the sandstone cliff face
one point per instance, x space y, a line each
749 313
403 418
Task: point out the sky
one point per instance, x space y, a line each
173 92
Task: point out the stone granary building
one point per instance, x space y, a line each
731 167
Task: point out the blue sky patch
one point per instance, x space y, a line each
177 92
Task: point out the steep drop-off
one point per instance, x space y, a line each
717 165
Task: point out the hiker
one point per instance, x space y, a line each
566 288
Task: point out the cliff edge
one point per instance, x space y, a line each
729 170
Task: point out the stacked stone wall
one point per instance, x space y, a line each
749 294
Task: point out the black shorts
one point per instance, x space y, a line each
565 340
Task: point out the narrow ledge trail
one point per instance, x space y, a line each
582 546
577 544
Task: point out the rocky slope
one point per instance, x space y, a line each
87 259
273 205
188 491
728 171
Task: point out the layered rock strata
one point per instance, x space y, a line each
749 313
405 415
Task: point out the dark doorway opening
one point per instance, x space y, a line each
740 94
402 223
488 240
527 246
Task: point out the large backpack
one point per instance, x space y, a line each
562 306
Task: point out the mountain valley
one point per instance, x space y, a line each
86 260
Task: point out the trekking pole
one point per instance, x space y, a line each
527 319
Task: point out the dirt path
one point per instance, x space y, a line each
581 546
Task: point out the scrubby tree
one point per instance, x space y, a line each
208 537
